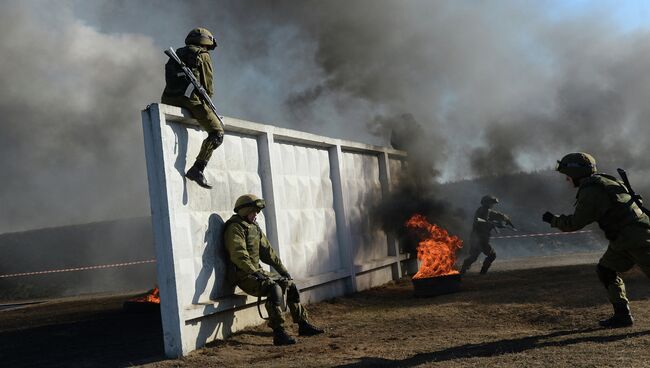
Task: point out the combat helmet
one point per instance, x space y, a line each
201 37
577 165
488 200
247 202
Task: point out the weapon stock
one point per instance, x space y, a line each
192 79
635 197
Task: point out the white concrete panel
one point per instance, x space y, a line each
374 278
305 210
362 191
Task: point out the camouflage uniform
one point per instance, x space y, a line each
180 92
247 245
604 199
484 221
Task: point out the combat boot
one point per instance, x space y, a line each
621 317
280 337
195 173
307 329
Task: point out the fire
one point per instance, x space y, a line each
437 249
152 296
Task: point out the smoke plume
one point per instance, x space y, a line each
467 88
71 147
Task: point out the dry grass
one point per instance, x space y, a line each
527 318
544 317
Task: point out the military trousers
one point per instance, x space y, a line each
254 287
621 260
206 119
477 247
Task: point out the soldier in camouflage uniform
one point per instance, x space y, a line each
180 92
605 199
485 219
246 246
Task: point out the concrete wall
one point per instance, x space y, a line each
317 190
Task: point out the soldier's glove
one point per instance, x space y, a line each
259 276
285 280
548 217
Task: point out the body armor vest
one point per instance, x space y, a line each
481 227
622 210
176 82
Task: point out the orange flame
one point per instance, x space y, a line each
153 296
437 251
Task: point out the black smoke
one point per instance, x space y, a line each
491 87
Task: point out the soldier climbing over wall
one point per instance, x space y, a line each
246 246
620 214
180 92
485 220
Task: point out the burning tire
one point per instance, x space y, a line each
438 285
437 256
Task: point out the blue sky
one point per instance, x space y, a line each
630 14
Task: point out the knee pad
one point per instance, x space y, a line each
275 294
606 275
215 138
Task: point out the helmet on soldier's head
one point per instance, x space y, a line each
488 200
247 203
577 165
201 37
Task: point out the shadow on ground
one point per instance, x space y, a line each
495 348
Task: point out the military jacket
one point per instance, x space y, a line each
484 219
198 60
604 199
247 245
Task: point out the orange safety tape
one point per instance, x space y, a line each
78 269
541 234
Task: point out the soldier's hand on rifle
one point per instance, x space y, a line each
284 280
548 217
259 276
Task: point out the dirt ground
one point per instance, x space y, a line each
541 317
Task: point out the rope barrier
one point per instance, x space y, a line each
541 234
154 261
77 269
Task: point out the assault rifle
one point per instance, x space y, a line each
496 225
203 95
635 197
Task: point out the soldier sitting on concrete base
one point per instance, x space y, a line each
246 246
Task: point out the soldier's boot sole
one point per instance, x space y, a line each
196 176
